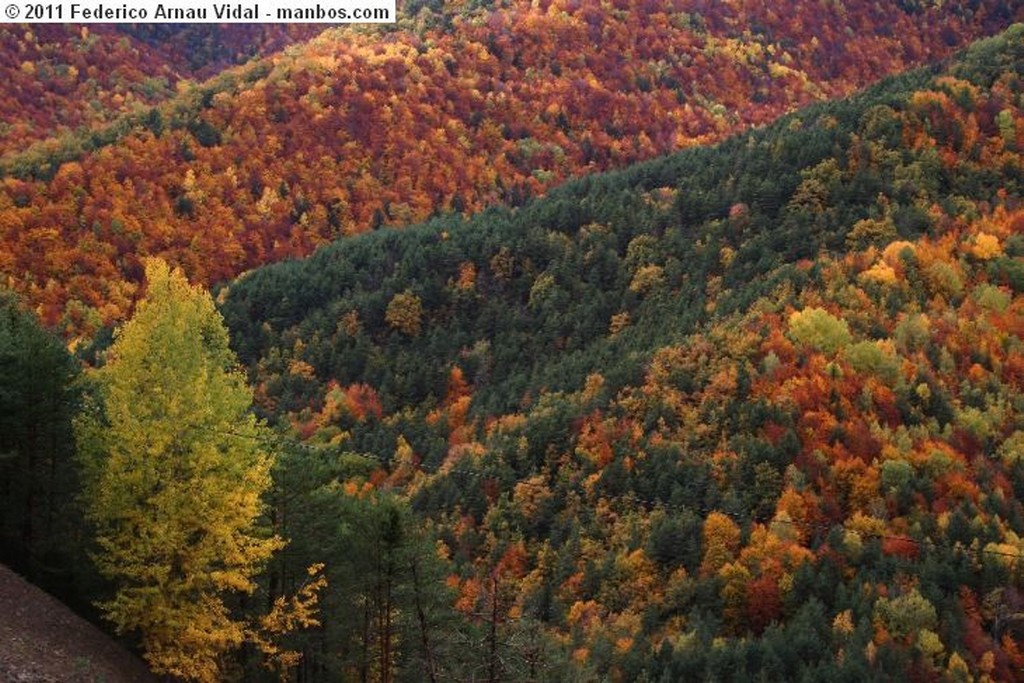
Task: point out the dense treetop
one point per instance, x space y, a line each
66 81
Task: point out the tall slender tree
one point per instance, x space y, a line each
175 471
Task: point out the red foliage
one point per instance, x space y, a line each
595 439
764 603
976 639
901 546
513 562
362 402
858 440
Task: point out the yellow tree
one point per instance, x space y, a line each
721 541
405 313
175 471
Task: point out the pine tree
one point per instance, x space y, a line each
37 477
175 472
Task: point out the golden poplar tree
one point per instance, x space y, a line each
175 471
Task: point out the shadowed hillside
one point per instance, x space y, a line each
751 410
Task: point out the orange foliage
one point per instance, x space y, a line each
595 440
721 541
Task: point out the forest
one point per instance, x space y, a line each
114 149
747 411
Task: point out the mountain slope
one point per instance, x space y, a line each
61 77
351 131
744 411
67 79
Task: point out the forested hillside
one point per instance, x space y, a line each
67 81
461 106
59 78
747 411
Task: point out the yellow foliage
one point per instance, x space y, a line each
301 368
1006 553
174 470
530 495
647 278
350 324
721 541
592 387
958 669
881 273
843 623
467 277
987 664
891 254
619 322
735 579
866 526
930 644
288 615
586 615
404 313
986 247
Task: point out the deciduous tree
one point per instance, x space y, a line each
175 470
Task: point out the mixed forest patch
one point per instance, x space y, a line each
456 109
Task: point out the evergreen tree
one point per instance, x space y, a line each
37 477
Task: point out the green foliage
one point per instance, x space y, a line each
912 333
870 231
819 329
857 443
944 280
906 615
579 439
991 298
40 520
386 596
872 358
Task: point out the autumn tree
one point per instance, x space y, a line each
819 329
721 541
405 313
175 470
